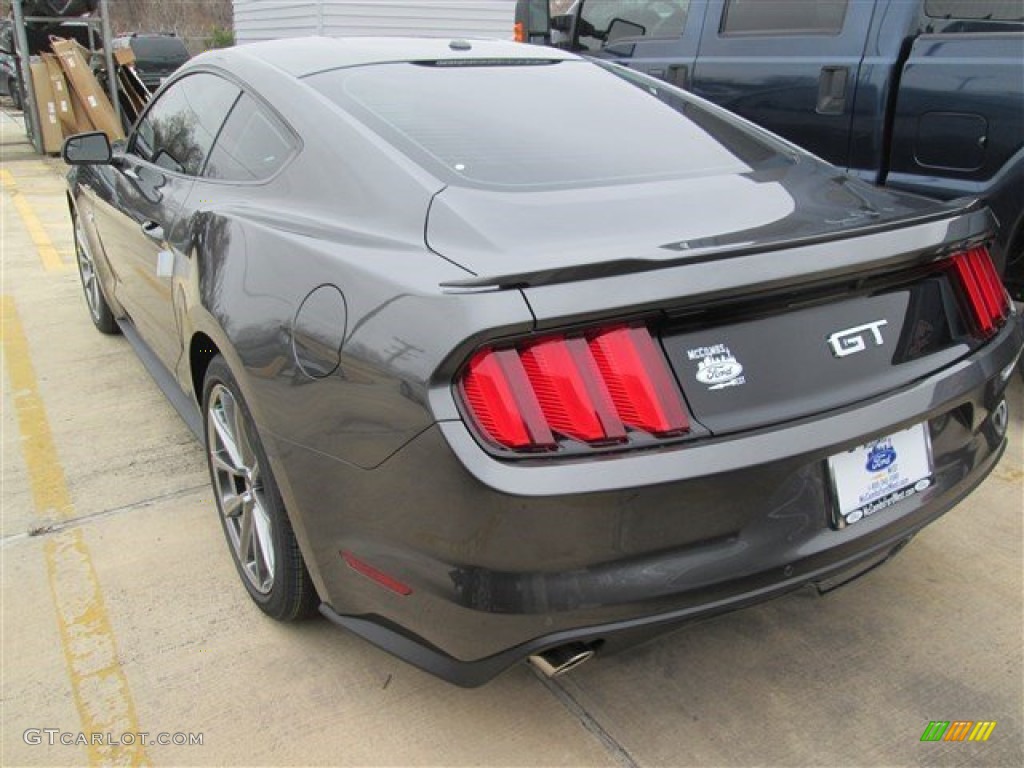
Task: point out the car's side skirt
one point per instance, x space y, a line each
182 403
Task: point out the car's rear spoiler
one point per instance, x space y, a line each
968 218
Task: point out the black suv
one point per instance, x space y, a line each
156 56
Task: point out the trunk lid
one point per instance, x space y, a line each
535 237
774 298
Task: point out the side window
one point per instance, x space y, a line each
177 132
603 22
783 17
252 146
989 10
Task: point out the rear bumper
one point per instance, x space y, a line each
505 560
470 674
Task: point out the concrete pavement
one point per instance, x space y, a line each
121 611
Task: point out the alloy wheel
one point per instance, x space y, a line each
87 269
238 484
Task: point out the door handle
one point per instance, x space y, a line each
676 74
679 75
131 173
153 231
832 90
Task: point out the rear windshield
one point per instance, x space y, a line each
564 124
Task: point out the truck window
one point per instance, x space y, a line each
989 10
602 22
783 17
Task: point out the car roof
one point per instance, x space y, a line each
304 56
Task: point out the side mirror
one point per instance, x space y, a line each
620 28
87 149
562 23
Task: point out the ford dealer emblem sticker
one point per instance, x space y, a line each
717 366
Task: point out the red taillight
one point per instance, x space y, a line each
638 380
519 32
585 388
568 386
499 395
986 298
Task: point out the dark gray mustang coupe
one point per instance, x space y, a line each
499 353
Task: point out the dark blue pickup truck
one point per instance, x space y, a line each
922 95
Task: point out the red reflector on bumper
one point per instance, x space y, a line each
388 582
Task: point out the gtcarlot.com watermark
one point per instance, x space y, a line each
55 736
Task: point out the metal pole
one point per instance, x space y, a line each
108 55
31 112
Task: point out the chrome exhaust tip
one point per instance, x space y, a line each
557 661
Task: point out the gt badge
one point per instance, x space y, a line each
851 340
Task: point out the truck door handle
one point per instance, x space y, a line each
832 90
679 75
153 231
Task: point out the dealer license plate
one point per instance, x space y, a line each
876 475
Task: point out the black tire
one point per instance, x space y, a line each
92 286
256 526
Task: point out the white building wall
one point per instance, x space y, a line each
271 19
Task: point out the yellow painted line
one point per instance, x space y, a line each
47 204
98 684
46 476
48 255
